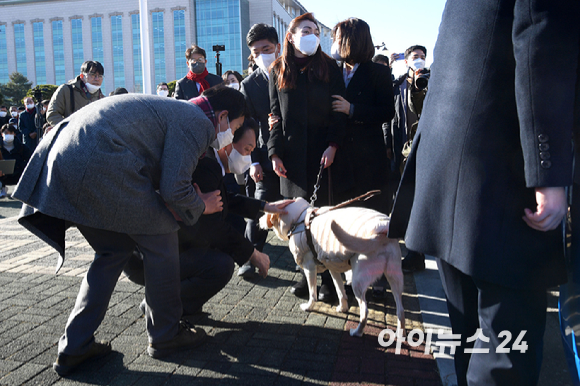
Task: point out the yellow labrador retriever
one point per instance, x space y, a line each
342 239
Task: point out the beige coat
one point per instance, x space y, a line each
60 105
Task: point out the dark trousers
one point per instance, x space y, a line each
203 273
268 190
112 251
474 304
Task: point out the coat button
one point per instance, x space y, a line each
546 164
543 138
544 155
544 147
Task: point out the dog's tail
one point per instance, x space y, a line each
358 244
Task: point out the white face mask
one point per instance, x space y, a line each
237 163
264 61
417 64
92 88
163 93
30 106
14 114
308 44
335 51
235 86
223 138
3 114
8 138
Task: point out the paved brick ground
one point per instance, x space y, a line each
258 334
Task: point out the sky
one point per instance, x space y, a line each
397 23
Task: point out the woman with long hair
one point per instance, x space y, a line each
307 133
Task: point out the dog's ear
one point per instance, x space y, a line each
268 220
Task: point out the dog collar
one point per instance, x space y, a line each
300 226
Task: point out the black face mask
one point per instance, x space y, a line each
197 68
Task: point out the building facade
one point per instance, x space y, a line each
48 40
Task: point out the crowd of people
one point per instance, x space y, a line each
470 164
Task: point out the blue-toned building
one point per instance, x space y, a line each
48 40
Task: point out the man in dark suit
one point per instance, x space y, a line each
487 173
262 40
198 79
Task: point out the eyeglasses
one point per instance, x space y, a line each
200 60
95 76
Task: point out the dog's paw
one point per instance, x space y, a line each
342 308
355 332
307 306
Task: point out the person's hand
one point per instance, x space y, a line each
32 135
277 207
212 200
328 156
551 209
256 173
272 119
340 105
262 261
278 166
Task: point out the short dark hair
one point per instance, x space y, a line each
261 31
45 102
381 59
249 124
3 107
413 48
162 84
8 127
120 90
221 97
92 66
356 42
21 108
195 50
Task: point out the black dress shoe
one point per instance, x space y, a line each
327 293
300 289
413 262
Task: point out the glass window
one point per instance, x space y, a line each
159 47
20 48
77 43
3 56
118 62
58 48
97 39
137 69
39 59
180 47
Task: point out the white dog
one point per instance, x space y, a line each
343 239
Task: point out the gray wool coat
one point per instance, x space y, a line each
115 165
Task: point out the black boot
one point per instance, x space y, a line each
300 289
413 262
327 291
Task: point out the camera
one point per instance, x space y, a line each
219 47
38 93
422 79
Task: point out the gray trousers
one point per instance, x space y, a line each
162 292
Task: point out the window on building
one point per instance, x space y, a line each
180 47
137 69
20 48
3 56
159 47
58 48
118 63
77 44
39 59
97 40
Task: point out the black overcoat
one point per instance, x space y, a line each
186 88
306 128
496 123
370 91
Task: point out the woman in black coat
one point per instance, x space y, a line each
368 103
307 133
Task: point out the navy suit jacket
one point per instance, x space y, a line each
496 123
